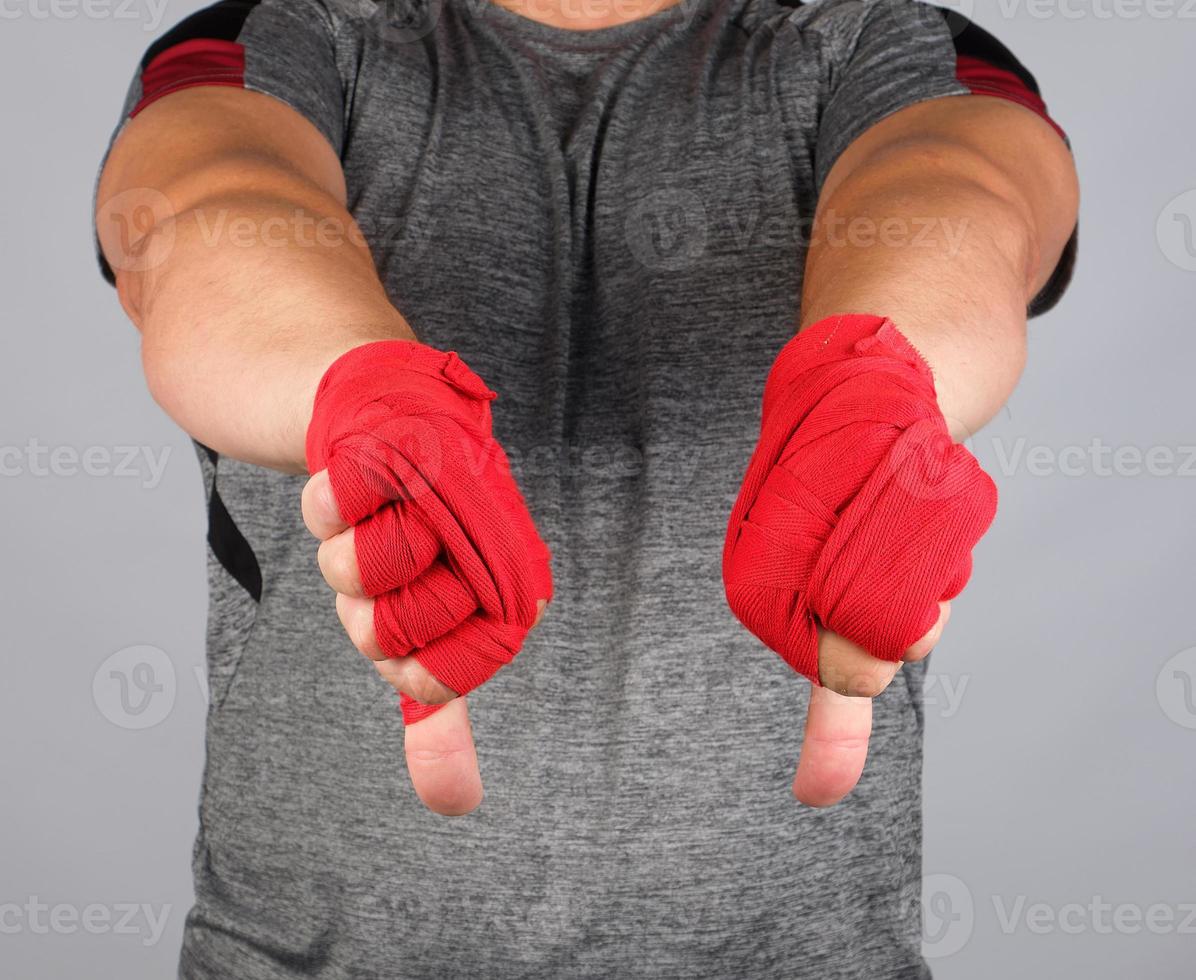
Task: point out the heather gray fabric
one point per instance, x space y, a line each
608 227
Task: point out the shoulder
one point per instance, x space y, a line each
837 26
333 15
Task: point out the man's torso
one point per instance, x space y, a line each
610 230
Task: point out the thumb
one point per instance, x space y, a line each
834 748
442 760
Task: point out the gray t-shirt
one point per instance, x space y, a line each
609 227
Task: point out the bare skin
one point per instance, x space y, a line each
587 15
1000 187
237 333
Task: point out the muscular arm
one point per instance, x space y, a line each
250 282
961 208
253 277
996 187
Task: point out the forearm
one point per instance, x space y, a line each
943 240
246 297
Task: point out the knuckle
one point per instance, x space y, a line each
326 498
338 563
358 622
416 682
346 570
320 511
307 506
864 682
868 683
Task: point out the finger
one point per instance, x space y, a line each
405 674
337 558
357 617
849 669
393 546
432 691
410 617
320 511
540 560
921 649
414 710
472 653
397 459
408 676
443 762
385 551
834 749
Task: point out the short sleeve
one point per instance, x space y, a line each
282 48
884 55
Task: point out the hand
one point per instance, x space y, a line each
441 758
438 568
852 530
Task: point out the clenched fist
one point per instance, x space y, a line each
853 528
439 570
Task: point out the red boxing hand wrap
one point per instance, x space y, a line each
444 542
858 512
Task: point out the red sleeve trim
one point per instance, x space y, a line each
983 78
201 61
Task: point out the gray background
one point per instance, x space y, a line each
1060 707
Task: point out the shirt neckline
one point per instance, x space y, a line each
568 37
